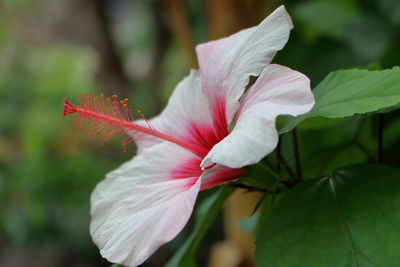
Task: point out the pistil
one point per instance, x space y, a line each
109 116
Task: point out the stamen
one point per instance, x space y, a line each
102 117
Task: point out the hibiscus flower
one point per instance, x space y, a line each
210 128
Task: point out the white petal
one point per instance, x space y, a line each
278 91
187 107
226 64
139 206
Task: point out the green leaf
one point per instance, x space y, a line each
351 218
205 215
391 8
344 93
368 36
313 15
260 176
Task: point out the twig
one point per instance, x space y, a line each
364 149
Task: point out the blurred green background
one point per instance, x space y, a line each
52 49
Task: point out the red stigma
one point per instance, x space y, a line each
68 108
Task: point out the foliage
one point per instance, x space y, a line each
206 213
348 92
349 218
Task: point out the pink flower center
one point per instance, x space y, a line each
102 117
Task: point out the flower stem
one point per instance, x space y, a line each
380 139
287 167
280 161
296 154
278 157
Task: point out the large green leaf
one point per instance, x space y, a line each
351 218
344 93
205 215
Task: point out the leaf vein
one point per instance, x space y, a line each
379 211
308 235
344 219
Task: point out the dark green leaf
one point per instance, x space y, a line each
391 8
313 15
368 36
344 93
351 218
260 176
206 214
